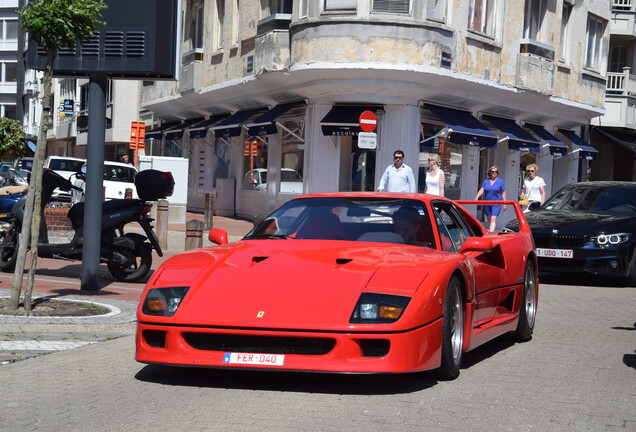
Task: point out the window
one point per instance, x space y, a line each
481 16
302 9
564 53
197 41
392 6
255 153
8 111
218 30
436 10
340 5
9 72
595 29
535 11
9 30
292 155
617 58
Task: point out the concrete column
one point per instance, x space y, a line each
162 223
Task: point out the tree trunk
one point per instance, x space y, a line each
32 211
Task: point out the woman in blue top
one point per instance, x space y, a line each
495 190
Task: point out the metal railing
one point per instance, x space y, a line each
623 5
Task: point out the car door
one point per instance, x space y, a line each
454 231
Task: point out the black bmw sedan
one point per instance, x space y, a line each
587 227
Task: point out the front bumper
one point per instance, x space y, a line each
408 351
611 262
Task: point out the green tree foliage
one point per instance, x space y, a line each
12 139
52 24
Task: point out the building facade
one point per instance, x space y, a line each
9 33
614 134
277 88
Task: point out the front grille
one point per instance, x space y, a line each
259 344
375 347
561 241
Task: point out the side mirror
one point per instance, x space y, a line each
476 244
80 175
534 205
218 236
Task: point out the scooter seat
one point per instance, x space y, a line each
9 190
77 211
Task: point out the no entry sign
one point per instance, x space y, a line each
368 121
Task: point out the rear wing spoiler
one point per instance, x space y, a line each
521 218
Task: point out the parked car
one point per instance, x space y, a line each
67 167
587 227
117 178
343 282
290 180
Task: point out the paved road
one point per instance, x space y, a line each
577 374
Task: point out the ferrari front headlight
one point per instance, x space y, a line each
163 301
378 308
611 239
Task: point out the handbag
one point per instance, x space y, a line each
523 200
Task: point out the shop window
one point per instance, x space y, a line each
255 154
292 156
362 166
222 160
450 155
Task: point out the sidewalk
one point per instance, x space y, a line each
62 278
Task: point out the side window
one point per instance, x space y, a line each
451 225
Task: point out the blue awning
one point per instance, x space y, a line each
200 129
345 119
266 124
557 148
518 138
464 128
157 133
585 150
176 132
231 127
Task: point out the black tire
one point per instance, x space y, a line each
9 246
528 306
140 261
452 332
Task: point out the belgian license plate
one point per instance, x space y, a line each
555 253
254 359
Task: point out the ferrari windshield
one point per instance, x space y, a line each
386 220
619 200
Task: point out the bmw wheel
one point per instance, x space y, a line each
452 332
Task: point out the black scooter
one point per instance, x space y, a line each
128 256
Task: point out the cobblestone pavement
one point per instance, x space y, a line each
577 374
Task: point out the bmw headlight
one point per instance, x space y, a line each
611 239
378 308
163 301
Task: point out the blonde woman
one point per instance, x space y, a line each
495 190
533 186
434 176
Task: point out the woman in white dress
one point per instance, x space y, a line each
533 186
434 176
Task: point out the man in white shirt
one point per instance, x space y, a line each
398 177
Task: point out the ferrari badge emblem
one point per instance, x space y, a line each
260 314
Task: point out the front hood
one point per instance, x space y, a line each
582 222
310 284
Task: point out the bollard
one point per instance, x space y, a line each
208 210
194 235
128 193
162 223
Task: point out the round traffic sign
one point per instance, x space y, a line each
368 121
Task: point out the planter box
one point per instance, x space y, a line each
57 219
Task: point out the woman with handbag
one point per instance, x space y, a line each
533 187
495 190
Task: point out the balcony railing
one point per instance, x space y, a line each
623 5
621 83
